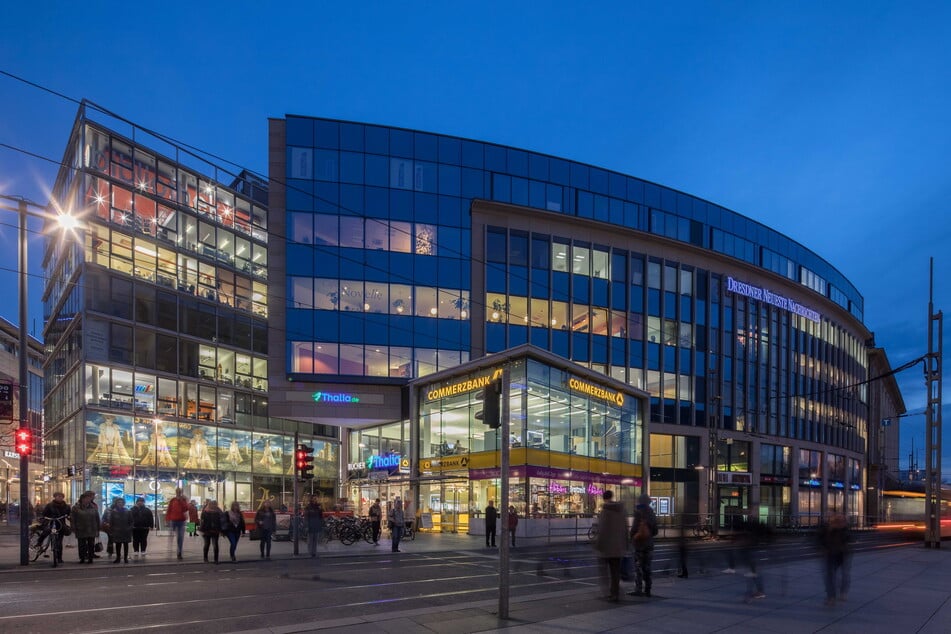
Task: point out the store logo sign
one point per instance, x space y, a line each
331 397
383 462
597 391
462 387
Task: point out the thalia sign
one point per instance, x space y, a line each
330 397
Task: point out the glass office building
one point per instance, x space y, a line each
396 254
156 329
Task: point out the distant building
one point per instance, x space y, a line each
886 407
10 410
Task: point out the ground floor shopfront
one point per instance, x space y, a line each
130 457
573 434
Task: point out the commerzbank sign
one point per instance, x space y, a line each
765 295
464 386
596 391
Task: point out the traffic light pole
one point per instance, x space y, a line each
295 524
23 355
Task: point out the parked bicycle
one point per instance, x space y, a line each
703 527
48 535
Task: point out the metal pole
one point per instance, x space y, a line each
295 526
933 381
504 584
22 356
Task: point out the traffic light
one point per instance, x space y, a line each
24 441
492 404
304 462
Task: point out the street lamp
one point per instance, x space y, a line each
23 354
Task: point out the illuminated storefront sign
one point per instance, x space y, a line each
464 386
612 396
454 462
558 488
331 397
765 295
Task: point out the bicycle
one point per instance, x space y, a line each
48 535
593 532
704 528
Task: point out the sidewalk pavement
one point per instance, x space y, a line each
895 588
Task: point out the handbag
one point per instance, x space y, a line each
98 546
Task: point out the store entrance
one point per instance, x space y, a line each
448 502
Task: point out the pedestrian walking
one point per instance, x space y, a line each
105 526
376 518
396 522
314 516
682 546
234 527
835 540
643 531
176 514
491 521
266 521
85 521
512 523
611 543
210 524
142 522
119 528
752 536
193 517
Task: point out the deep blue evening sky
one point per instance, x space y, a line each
826 121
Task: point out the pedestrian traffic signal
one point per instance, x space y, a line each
24 441
304 462
491 413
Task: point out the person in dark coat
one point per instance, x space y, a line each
119 527
142 522
611 543
193 517
643 530
266 521
376 518
57 509
835 539
513 523
85 522
491 521
314 516
234 527
210 523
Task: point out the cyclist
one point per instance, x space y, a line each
58 509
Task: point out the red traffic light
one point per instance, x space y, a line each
304 461
24 441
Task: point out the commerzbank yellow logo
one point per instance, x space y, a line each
596 391
467 385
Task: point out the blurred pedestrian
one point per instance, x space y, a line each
396 521
611 543
314 515
119 528
682 546
835 539
193 516
376 517
142 522
211 521
176 514
512 523
85 521
266 521
491 521
643 531
234 527
753 536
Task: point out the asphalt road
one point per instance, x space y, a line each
258 594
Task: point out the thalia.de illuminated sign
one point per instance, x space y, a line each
777 300
331 397
612 396
467 385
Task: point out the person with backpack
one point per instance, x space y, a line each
643 531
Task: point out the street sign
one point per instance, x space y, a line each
6 401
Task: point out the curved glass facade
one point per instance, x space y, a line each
408 253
